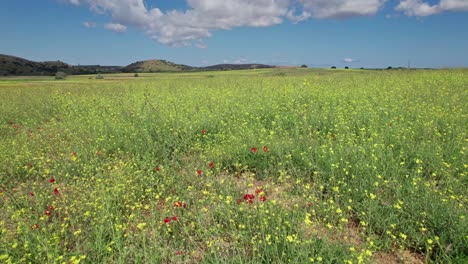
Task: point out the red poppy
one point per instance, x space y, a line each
258 190
178 204
203 131
211 165
263 198
167 220
249 196
74 154
158 169
51 180
31 194
184 205
56 191
250 201
239 201
51 207
47 212
98 153
199 172
309 204
253 150
265 148
174 218
179 253
29 165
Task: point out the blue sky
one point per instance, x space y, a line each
319 33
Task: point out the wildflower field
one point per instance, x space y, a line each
260 166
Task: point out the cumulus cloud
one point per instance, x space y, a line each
422 8
203 17
342 8
116 27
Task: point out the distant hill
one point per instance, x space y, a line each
10 65
227 67
15 66
156 66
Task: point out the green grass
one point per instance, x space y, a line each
350 166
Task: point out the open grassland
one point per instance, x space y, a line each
262 166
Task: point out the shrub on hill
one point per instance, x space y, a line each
60 75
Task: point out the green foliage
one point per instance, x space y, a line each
135 75
244 168
60 75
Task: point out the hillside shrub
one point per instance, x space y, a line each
60 75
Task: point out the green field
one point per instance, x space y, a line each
259 166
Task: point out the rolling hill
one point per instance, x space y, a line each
15 66
156 66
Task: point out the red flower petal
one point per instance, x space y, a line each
265 148
56 191
199 172
167 220
253 150
51 180
174 218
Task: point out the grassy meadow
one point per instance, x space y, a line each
258 166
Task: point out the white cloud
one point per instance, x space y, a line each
202 17
349 60
74 2
342 8
417 8
116 27
422 8
454 5
225 61
89 24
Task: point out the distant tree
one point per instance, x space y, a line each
389 68
60 75
333 67
346 67
303 66
135 75
362 68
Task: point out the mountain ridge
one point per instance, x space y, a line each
17 66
